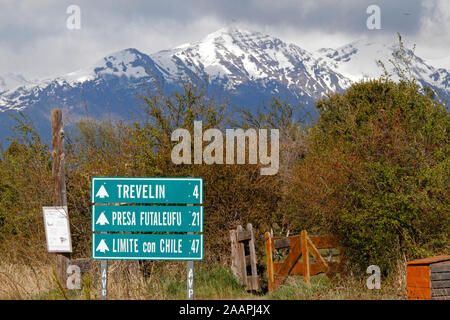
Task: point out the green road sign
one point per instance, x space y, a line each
147 218
113 246
147 190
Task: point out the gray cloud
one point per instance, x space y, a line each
34 40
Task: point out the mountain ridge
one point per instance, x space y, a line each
250 65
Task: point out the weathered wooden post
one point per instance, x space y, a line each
59 184
235 261
269 257
253 263
305 256
241 238
241 255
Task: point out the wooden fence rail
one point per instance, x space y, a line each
300 246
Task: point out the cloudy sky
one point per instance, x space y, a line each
35 42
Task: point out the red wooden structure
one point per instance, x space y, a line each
428 279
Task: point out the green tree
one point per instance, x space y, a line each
25 173
377 173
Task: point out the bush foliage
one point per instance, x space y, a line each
377 173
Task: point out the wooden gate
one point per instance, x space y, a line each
243 257
300 246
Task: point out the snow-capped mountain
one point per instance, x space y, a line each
126 69
11 81
237 58
107 89
251 66
359 60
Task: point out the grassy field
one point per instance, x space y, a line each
168 281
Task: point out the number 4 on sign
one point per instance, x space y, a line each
195 194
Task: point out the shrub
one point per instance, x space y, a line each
377 173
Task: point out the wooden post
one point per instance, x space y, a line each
59 184
254 285
243 264
235 266
305 256
253 263
269 256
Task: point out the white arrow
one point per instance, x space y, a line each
102 219
102 193
102 247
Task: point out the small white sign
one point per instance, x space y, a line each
57 229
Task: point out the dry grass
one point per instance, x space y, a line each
18 281
126 281
167 280
321 288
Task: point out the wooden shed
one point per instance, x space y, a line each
428 279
